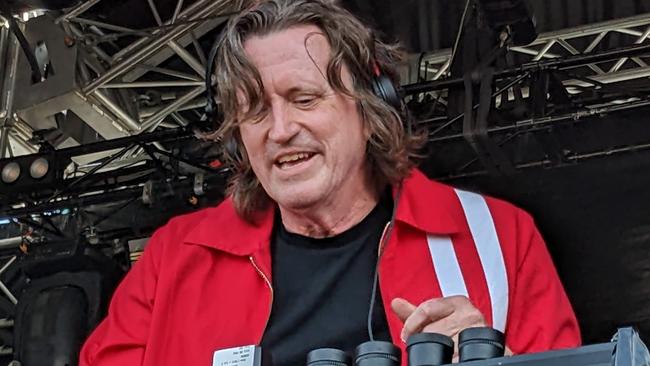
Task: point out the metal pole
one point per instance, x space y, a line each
153 121
622 61
4 130
187 57
4 141
2 285
141 42
148 112
130 124
594 29
537 123
112 27
560 63
11 242
10 66
547 162
25 145
4 43
106 145
100 53
150 49
177 10
77 10
178 74
154 11
152 84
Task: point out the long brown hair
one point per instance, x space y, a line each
390 150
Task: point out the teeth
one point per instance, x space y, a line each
293 157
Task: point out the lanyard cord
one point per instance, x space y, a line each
382 244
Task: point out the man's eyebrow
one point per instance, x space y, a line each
304 88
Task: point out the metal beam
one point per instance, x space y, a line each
541 48
567 62
152 122
148 50
78 10
10 52
152 84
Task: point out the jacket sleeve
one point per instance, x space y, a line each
540 316
121 338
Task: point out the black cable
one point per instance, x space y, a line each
461 26
24 44
382 245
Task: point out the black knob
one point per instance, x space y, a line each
377 353
328 357
429 349
480 343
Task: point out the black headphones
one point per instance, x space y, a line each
382 86
385 89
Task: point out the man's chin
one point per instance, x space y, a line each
297 201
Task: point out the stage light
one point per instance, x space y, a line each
39 168
30 174
10 172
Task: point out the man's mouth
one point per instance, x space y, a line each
290 160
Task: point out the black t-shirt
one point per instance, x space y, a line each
322 290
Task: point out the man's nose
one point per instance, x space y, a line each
282 126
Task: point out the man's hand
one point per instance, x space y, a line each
447 315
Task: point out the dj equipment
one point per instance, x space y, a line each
485 347
328 357
429 349
480 344
625 349
377 353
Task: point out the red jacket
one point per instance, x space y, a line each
204 281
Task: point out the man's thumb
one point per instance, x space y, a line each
402 308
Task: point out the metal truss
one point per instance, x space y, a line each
566 76
570 42
123 90
116 90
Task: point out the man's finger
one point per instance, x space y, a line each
426 313
402 308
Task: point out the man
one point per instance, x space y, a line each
324 193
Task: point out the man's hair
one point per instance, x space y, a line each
390 150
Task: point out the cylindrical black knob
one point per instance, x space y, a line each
377 353
328 357
429 349
480 343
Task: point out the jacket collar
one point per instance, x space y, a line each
426 205
222 228
423 204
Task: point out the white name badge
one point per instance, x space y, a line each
236 356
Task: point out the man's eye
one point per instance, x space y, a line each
305 101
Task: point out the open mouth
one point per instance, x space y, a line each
291 160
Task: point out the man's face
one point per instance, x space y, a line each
307 147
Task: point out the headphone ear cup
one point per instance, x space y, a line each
384 89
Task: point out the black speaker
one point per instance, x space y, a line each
50 326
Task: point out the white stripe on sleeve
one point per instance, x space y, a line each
481 226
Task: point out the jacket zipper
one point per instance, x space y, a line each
268 283
381 241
